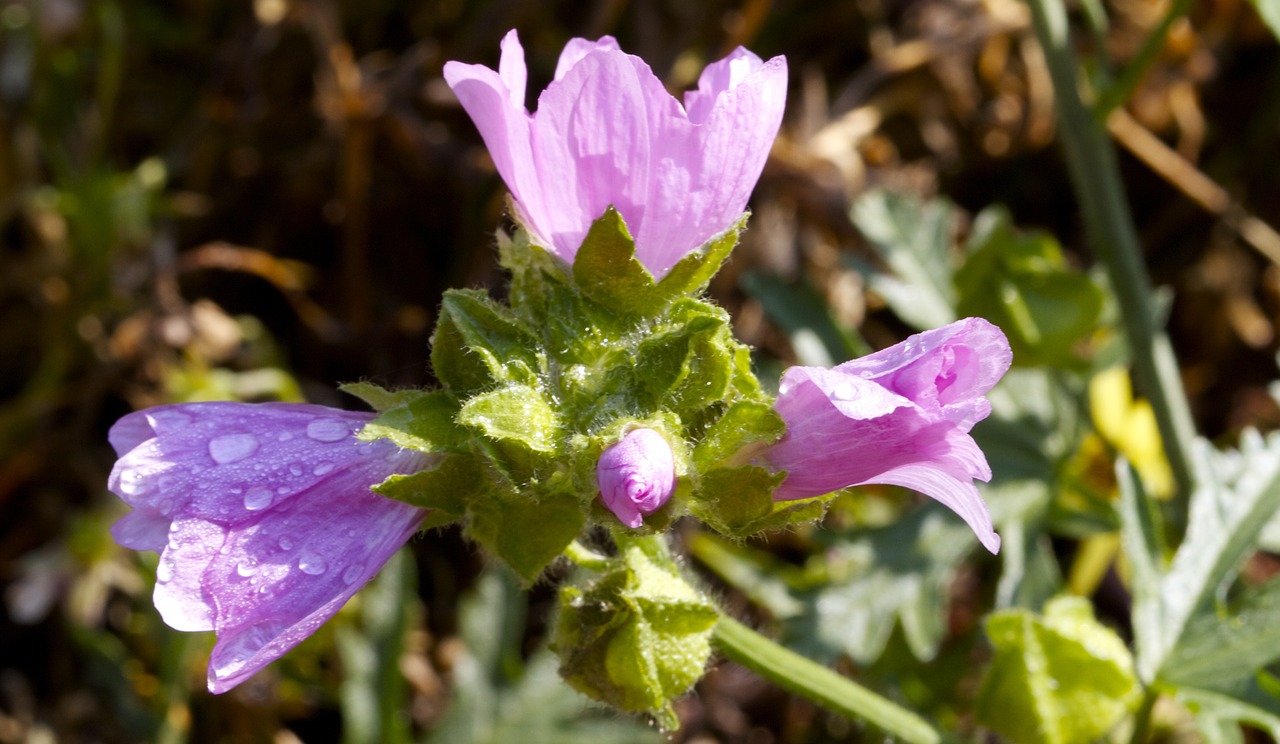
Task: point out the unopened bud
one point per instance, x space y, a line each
636 475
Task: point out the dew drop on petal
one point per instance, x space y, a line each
258 498
166 507
328 430
352 573
295 469
230 448
164 571
312 564
282 490
284 436
241 649
285 543
246 568
323 468
132 482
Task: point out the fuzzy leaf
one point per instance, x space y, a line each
424 421
527 530
517 414
479 344
1058 678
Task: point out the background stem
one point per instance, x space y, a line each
817 683
1091 162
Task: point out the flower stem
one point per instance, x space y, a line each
817 683
1091 162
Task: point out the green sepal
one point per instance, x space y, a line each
729 441
527 530
518 413
607 270
1058 678
423 421
479 344
379 398
689 366
447 486
739 501
638 636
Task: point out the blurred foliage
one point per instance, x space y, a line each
210 199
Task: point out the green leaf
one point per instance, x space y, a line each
1227 513
1221 646
914 238
378 398
1021 282
688 367
739 501
608 272
479 344
638 636
897 573
801 313
1058 678
527 530
423 421
447 486
1245 701
518 414
729 440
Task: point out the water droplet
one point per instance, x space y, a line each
232 657
282 490
323 468
166 507
230 448
284 436
257 498
295 469
328 430
132 482
352 573
164 571
285 543
246 568
312 564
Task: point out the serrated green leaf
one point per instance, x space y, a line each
638 636
479 344
914 238
1228 511
686 368
447 486
529 530
692 273
379 398
519 414
1221 646
1021 282
744 423
1059 678
735 501
424 421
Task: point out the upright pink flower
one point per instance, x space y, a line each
636 476
262 516
606 132
900 416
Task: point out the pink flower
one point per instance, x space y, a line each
262 516
606 132
636 476
899 417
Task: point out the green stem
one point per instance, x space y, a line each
817 683
1091 161
1142 719
587 558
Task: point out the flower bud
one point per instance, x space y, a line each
636 475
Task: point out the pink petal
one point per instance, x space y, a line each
716 78
180 589
958 495
636 475
142 530
578 48
512 71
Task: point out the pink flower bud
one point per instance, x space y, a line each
636 475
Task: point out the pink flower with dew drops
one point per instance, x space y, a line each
636 476
607 133
262 516
900 416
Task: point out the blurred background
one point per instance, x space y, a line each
218 199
